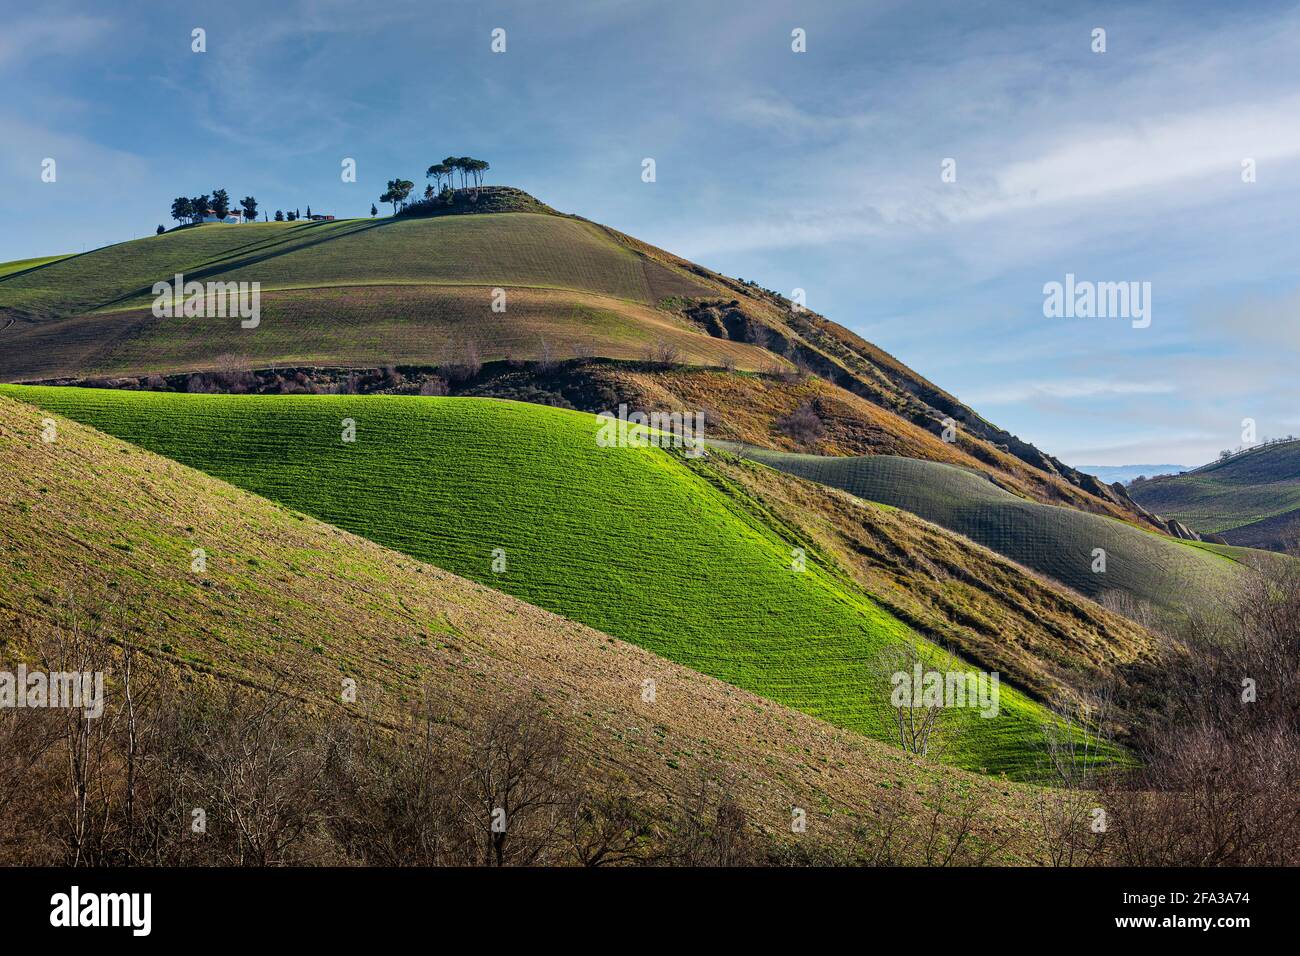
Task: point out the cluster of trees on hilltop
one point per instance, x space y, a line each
186 209
469 168
192 210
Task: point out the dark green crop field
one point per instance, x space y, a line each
1061 543
637 542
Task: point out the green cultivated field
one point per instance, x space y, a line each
104 277
1251 500
634 542
521 249
353 292
22 265
1168 574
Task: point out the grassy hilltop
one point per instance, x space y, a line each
354 293
419 290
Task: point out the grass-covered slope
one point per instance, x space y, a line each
286 601
528 250
415 290
1169 575
631 541
354 293
22 265
1251 499
362 327
1035 632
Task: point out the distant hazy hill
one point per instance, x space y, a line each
1251 499
1126 473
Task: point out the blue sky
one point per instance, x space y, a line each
816 170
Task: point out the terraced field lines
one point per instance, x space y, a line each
1059 542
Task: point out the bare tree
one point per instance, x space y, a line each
1220 760
614 830
546 361
1072 819
514 789
921 724
803 424
664 352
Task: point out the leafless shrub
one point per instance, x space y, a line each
663 352
1221 762
713 829
1070 816
433 385
803 424
614 830
1125 604
392 800
28 773
515 787
546 361
920 726
1210 801
466 363
949 830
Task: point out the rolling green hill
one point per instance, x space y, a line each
288 602
1170 575
354 293
419 291
1251 499
22 265
634 542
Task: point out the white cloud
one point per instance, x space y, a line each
1065 389
1095 162
774 113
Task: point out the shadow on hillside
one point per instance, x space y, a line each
233 261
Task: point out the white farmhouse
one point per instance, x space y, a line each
234 217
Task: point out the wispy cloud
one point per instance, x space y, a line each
41 35
1070 389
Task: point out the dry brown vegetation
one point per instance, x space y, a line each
759 409
1042 637
1219 783
181 775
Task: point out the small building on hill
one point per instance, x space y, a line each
234 216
